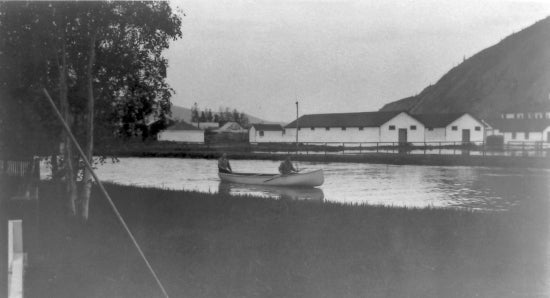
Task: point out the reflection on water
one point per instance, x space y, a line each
278 192
375 184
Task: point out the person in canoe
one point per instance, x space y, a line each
287 167
223 164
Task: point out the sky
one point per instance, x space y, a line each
331 55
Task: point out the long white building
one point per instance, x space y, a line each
523 125
387 127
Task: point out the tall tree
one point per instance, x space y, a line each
102 59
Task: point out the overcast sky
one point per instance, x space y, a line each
333 55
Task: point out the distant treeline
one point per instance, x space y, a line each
222 116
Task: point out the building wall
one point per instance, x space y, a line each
465 122
403 121
334 134
188 136
545 134
268 137
521 137
435 135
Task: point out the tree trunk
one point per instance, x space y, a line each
68 155
87 178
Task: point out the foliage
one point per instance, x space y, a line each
128 74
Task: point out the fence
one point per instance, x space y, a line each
537 149
28 171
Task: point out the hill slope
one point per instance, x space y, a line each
514 72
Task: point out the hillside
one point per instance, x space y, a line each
181 113
515 72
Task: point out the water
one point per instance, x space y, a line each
374 184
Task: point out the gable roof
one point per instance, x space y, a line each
267 127
437 120
231 127
520 125
182 126
362 119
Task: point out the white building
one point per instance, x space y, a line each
384 127
459 127
523 125
265 133
182 132
356 127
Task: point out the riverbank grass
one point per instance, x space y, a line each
210 245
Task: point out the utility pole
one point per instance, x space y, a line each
297 127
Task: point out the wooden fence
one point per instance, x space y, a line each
538 149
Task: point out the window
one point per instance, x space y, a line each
430 129
527 135
284 131
298 129
478 128
392 127
513 136
327 129
261 133
344 128
454 127
313 128
413 127
519 116
360 128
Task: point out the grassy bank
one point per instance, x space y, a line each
209 245
244 151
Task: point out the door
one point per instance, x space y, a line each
465 136
402 135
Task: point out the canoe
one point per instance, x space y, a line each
310 179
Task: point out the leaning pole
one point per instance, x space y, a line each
104 191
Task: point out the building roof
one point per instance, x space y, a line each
437 120
533 107
182 126
231 127
267 127
363 119
520 125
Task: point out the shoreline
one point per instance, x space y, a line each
374 158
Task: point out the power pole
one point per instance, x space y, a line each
297 127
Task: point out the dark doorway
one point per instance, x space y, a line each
465 136
402 135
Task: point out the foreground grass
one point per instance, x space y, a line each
204 245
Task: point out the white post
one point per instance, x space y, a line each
15 258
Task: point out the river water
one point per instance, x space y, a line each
374 184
